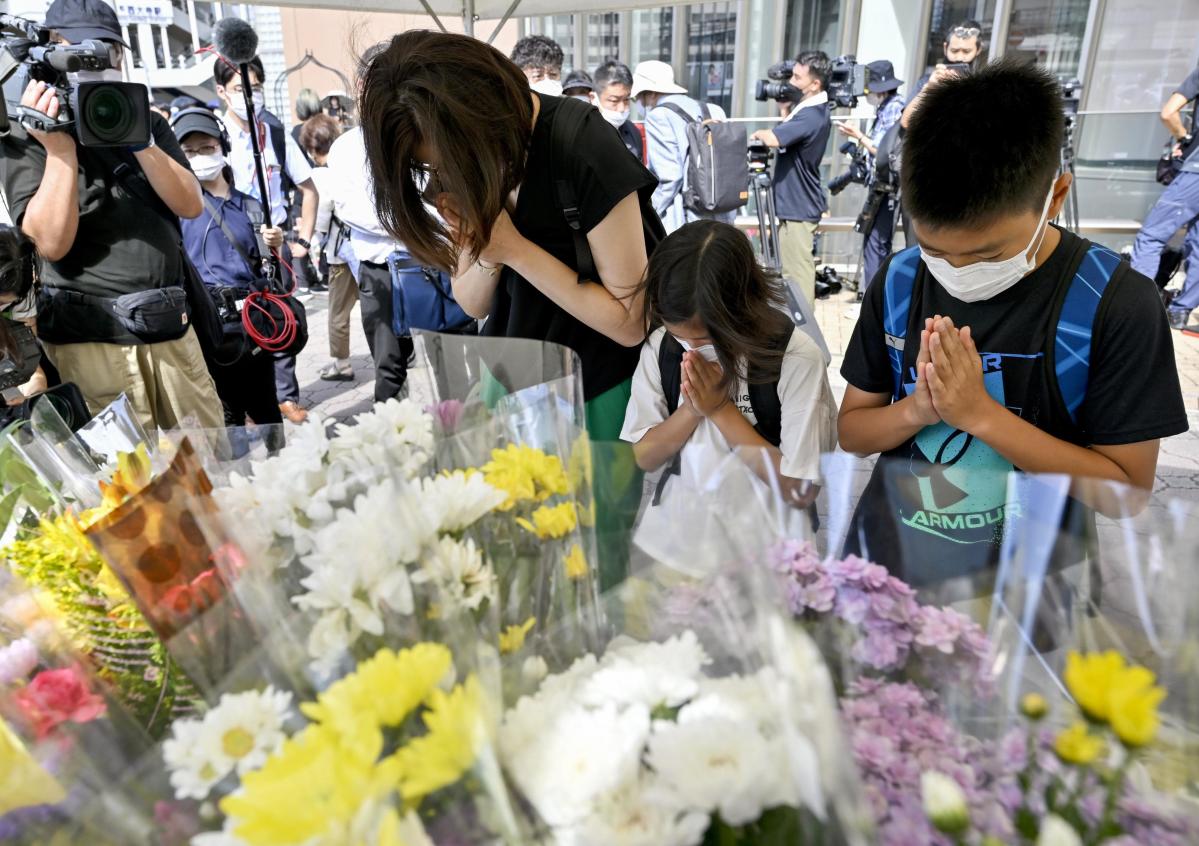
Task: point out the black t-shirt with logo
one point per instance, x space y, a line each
123 245
601 174
934 506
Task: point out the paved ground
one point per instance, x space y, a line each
1178 470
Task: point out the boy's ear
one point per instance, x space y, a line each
1061 188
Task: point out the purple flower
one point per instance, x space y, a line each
816 596
876 650
447 413
939 628
852 605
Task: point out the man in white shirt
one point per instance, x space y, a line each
298 172
666 139
368 249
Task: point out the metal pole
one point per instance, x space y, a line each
503 20
194 24
468 17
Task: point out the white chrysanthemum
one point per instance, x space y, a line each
640 814
652 674
752 699
715 766
578 756
195 769
459 569
395 434
457 500
329 639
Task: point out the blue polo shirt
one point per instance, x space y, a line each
218 262
798 189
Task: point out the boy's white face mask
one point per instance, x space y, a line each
986 279
708 351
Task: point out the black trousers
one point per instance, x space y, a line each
389 352
246 386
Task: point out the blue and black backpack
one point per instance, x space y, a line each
1068 357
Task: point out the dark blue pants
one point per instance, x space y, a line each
877 244
1177 208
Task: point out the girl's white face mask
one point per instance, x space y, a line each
986 279
708 351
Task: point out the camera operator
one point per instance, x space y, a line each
877 221
291 167
105 221
799 197
1178 206
962 50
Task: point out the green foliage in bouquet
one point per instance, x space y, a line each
101 621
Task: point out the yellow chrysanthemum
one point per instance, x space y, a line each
132 474
309 787
1089 678
1108 690
456 732
525 474
512 639
1076 745
551 522
576 563
1133 707
1034 706
381 693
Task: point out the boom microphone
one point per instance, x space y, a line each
236 40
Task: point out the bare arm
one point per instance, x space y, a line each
1171 115
612 307
51 218
174 184
308 209
667 439
767 137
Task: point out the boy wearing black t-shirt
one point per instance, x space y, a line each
1000 342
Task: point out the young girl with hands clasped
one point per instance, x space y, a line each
726 368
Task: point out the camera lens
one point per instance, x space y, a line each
108 114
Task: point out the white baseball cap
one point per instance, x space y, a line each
657 77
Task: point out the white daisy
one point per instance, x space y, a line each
459 569
641 814
195 769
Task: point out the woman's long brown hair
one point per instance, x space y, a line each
468 105
708 271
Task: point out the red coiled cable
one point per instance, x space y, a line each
281 334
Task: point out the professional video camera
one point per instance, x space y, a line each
777 85
100 114
846 82
859 168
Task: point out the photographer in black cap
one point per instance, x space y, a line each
877 220
112 311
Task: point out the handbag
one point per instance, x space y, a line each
154 316
421 298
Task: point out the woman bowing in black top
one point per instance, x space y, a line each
544 218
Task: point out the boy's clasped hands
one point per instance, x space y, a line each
949 378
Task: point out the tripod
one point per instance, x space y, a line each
1069 213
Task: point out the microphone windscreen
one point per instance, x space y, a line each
236 40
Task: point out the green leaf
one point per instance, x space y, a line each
1026 824
8 504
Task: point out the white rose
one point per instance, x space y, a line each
944 803
534 669
1055 831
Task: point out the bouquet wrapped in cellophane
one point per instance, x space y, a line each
75 767
706 716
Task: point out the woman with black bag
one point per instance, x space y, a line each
225 244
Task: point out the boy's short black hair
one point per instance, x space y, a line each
222 71
537 51
983 145
818 64
612 73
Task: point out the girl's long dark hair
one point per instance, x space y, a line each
17 259
707 270
468 103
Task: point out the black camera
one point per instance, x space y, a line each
777 85
859 168
758 157
846 81
100 114
1071 96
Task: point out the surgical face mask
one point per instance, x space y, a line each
550 87
109 75
874 100
237 103
617 119
207 168
582 97
708 351
986 279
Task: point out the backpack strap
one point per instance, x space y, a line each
1073 335
680 111
670 369
705 112
764 396
897 303
279 143
564 135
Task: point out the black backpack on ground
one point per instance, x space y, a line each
717 168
